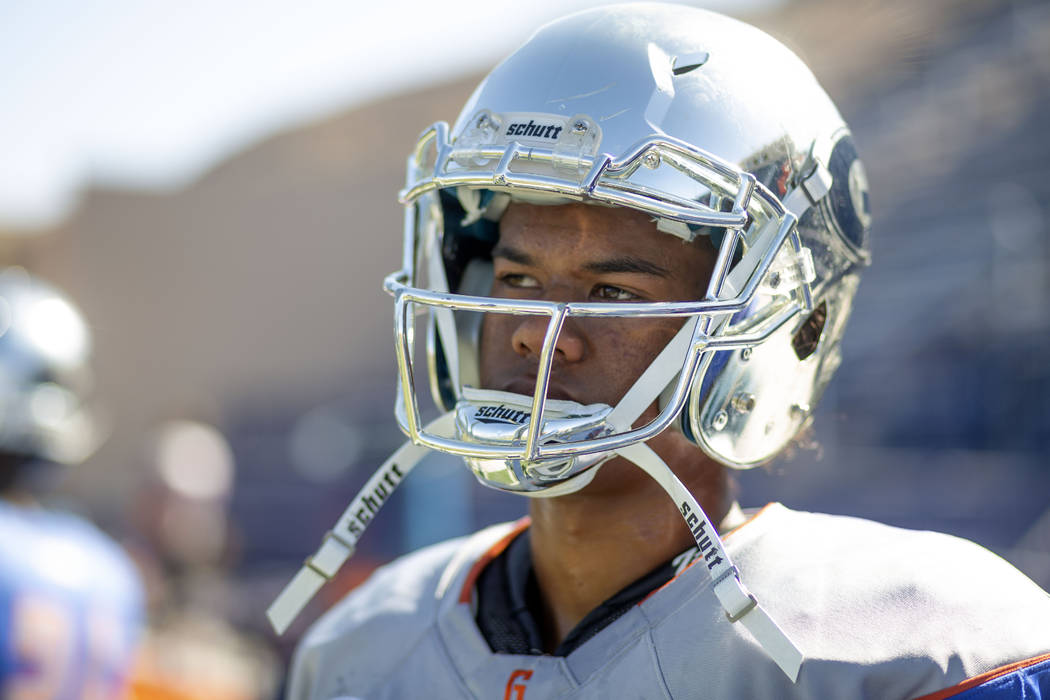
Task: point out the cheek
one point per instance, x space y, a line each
493 345
624 348
633 336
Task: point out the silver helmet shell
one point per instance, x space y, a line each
44 375
714 128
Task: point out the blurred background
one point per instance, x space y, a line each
215 186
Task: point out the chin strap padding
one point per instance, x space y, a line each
339 543
739 604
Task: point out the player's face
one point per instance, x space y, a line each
574 253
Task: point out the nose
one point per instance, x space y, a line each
527 339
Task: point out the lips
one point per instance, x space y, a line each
527 386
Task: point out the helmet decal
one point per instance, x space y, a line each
848 200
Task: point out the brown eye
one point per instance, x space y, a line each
608 292
518 281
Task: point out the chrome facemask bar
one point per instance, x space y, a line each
608 180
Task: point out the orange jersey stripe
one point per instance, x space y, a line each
493 552
983 678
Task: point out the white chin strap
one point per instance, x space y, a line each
737 602
339 543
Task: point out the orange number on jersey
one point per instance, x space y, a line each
516 691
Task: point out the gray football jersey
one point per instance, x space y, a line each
879 612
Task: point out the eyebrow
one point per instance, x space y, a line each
512 254
610 265
627 264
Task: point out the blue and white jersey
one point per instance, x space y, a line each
70 608
879 612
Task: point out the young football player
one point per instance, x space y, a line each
635 252
71 603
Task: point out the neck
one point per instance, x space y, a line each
589 545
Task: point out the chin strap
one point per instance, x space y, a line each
739 604
339 543
652 382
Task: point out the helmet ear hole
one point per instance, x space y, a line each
807 337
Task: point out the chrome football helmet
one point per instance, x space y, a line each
44 374
714 129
